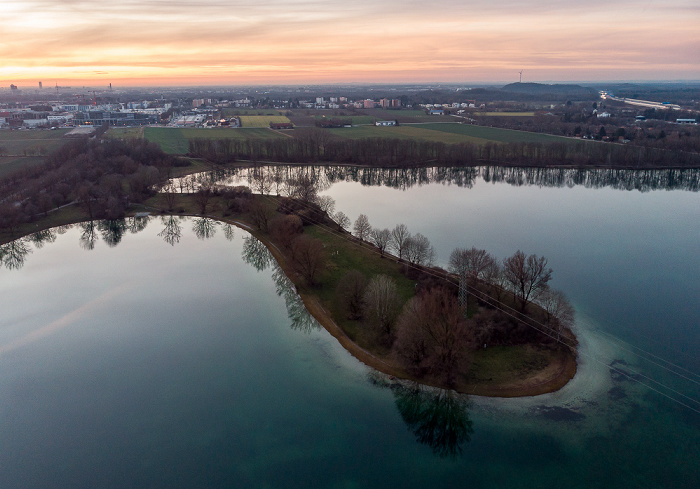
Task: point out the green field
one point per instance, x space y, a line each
353 119
175 140
27 147
261 120
125 132
31 142
448 133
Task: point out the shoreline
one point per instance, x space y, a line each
550 379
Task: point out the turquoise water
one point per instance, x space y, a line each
173 359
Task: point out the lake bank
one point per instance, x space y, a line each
560 367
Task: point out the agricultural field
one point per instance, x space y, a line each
448 133
175 140
494 134
27 147
125 132
261 120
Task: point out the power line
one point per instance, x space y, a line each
500 306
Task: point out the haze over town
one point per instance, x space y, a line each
187 42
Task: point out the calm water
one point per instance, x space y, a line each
166 357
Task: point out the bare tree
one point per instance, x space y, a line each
495 277
341 220
471 265
474 263
418 250
326 203
399 235
527 276
309 257
560 313
260 214
380 238
168 191
351 293
202 198
382 303
432 334
362 227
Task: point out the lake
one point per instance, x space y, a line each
169 352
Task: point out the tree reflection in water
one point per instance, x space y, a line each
13 254
404 178
229 231
255 253
88 235
172 231
204 228
112 231
136 224
438 418
40 238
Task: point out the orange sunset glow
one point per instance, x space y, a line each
186 42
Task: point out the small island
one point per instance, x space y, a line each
405 318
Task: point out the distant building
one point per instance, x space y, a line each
368 104
281 125
97 118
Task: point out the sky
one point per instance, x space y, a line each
243 42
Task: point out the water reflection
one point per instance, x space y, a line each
437 418
273 178
13 254
256 254
40 238
88 236
229 231
172 231
137 223
204 227
112 231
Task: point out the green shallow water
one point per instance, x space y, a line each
147 364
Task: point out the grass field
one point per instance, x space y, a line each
125 132
261 120
35 141
175 140
27 148
448 133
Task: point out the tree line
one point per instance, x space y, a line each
103 176
317 146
